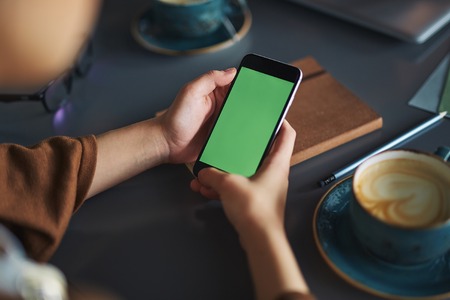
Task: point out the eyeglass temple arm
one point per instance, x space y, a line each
14 98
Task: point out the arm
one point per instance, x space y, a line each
255 206
41 186
174 137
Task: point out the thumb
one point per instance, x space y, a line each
212 178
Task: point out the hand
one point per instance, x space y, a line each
255 203
255 206
175 136
188 120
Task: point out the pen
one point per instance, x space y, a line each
347 169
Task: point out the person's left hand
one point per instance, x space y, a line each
253 205
186 123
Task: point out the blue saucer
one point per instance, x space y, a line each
234 27
343 253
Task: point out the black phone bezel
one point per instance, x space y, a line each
267 66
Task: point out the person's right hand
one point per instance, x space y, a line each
255 203
174 136
186 123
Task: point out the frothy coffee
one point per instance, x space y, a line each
409 192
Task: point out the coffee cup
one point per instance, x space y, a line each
401 207
187 18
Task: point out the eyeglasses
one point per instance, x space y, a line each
56 93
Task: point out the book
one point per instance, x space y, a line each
325 113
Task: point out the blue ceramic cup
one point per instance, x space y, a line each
187 18
401 207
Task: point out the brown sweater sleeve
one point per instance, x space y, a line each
42 186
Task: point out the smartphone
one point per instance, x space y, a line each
251 115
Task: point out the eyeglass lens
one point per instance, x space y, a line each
56 94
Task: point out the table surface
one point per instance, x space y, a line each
151 237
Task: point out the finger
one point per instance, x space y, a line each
207 192
195 185
207 83
281 153
213 179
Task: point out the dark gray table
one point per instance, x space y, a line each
151 237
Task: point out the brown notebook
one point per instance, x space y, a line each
326 114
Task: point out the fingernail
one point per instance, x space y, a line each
229 70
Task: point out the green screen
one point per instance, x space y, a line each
247 122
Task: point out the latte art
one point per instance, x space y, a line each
404 192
